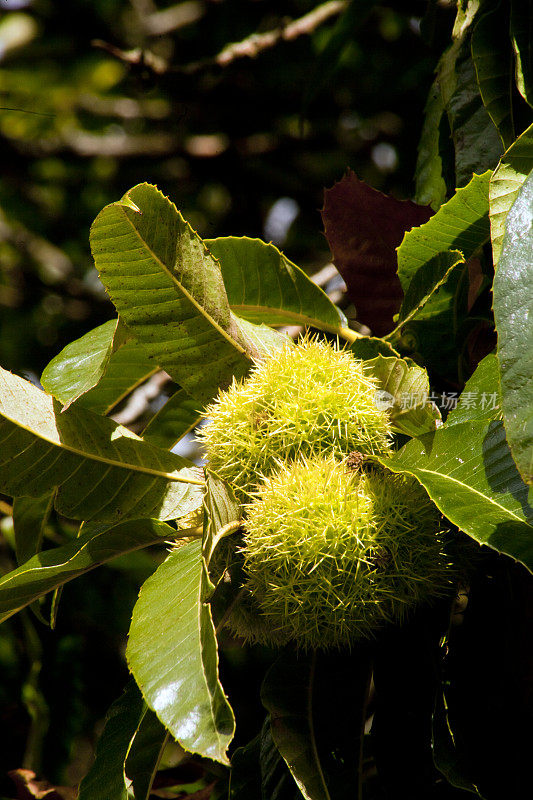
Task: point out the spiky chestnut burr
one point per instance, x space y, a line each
311 398
331 555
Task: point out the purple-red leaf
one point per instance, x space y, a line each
363 228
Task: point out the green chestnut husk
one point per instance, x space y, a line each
307 399
331 555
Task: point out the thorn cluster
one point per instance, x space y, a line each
330 555
305 400
333 548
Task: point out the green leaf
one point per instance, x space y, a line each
287 694
223 512
370 346
172 653
461 224
521 24
126 369
178 416
321 749
263 286
145 753
468 471
441 121
106 779
261 339
404 391
513 312
432 338
481 397
102 470
223 517
448 759
52 568
80 365
430 184
435 296
98 370
492 56
169 290
514 167
30 515
277 782
130 746
426 283
477 142
258 771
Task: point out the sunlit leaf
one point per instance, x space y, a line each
461 225
102 470
169 290
481 397
127 369
80 365
52 568
98 369
172 653
264 286
513 312
514 167
431 276
468 471
262 340
370 346
404 392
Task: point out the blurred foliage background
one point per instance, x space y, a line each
98 95
241 149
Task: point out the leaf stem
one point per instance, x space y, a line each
194 481
349 334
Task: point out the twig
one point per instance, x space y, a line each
135 58
139 400
250 47
253 45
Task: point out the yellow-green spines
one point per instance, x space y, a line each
330 555
307 399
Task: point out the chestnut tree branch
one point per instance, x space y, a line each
250 47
